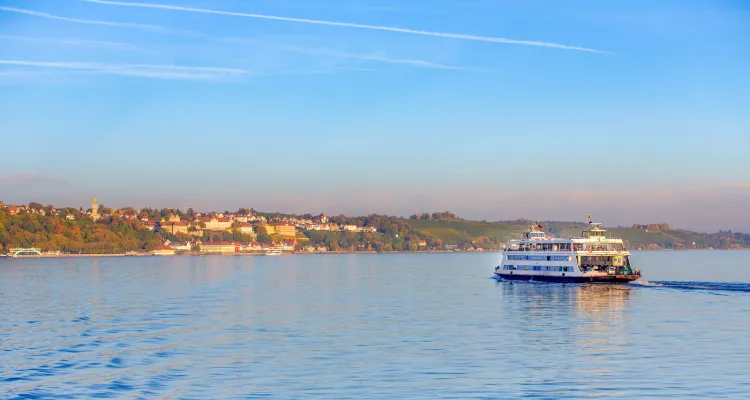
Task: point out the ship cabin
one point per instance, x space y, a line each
601 254
536 240
595 233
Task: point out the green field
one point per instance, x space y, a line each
455 232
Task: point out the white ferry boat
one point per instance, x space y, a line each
274 251
593 257
20 252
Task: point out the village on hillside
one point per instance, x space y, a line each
178 232
36 229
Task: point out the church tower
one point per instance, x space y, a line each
94 209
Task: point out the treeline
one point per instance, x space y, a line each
50 230
393 234
56 233
438 216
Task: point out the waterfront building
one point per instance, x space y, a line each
163 251
220 247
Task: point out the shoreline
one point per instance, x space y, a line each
234 254
295 253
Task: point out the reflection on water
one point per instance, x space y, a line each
365 326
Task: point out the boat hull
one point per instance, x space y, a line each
570 279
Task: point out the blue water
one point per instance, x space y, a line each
370 326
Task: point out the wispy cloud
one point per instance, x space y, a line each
159 71
73 42
459 36
375 57
83 21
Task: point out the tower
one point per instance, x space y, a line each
94 209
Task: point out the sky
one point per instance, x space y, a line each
634 111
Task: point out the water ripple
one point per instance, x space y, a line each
362 326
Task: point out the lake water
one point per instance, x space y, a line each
370 326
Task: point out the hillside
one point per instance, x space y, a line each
460 232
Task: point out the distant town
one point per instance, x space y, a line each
45 230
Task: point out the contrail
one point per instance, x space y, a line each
163 71
75 42
153 28
354 25
82 21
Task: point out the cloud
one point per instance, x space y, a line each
83 21
353 25
163 71
144 27
377 58
74 42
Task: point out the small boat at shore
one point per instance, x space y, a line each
592 257
21 252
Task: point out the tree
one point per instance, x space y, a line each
264 238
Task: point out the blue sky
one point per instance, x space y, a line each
633 110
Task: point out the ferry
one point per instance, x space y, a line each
592 257
20 252
275 251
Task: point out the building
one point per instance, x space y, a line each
350 228
163 251
285 230
150 225
288 244
246 228
220 247
13 210
252 246
175 227
271 246
181 246
94 209
216 223
270 229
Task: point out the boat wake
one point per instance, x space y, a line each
737 287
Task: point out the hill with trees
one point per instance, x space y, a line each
126 229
